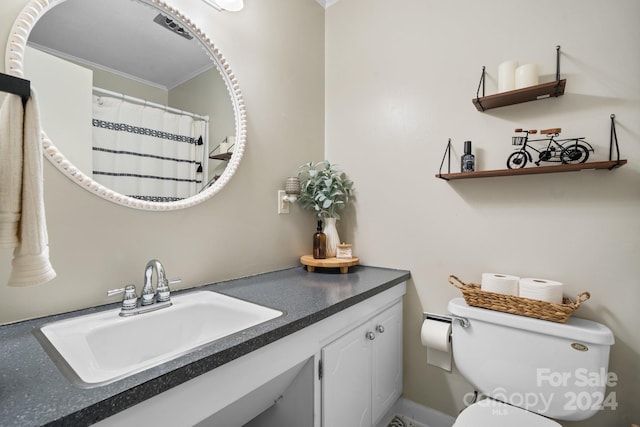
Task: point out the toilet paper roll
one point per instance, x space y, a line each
507 75
541 289
435 335
500 283
526 75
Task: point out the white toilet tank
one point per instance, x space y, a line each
557 370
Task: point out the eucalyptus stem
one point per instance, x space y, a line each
324 189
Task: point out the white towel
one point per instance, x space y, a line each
11 123
22 220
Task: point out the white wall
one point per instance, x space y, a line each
216 105
277 53
55 79
116 83
400 77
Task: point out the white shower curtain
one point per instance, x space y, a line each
146 152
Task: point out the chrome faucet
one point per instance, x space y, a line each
162 288
150 300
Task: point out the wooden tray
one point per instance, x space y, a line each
342 263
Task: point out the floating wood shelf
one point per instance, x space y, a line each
532 93
534 170
223 156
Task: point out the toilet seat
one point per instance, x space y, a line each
492 413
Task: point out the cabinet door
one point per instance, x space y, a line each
386 360
346 388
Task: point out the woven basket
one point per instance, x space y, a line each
476 297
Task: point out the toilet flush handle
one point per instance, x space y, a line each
464 322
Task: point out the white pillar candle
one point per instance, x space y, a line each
507 75
526 75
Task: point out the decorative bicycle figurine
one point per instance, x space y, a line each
565 151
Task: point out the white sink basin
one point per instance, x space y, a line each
99 348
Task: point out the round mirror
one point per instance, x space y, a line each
137 105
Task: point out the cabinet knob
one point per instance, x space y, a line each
380 329
371 336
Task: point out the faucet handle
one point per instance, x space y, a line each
163 292
129 299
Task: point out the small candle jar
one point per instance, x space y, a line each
343 251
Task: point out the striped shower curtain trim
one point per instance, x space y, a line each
123 127
153 156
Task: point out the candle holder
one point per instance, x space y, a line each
292 189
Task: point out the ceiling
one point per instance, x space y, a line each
122 37
327 3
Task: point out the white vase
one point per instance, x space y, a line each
333 239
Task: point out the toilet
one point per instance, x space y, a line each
532 371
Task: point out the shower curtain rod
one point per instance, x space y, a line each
149 103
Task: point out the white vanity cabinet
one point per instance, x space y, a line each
362 371
278 384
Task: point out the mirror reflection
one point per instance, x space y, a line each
131 98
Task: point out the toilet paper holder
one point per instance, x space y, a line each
464 322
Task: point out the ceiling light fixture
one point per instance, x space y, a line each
230 5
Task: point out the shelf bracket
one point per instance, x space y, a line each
480 85
557 91
558 63
447 155
613 142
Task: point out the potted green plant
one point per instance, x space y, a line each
325 190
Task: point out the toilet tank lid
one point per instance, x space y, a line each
576 329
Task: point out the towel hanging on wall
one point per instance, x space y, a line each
22 215
11 123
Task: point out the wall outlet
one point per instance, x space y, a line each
283 205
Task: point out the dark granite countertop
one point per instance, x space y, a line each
33 392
